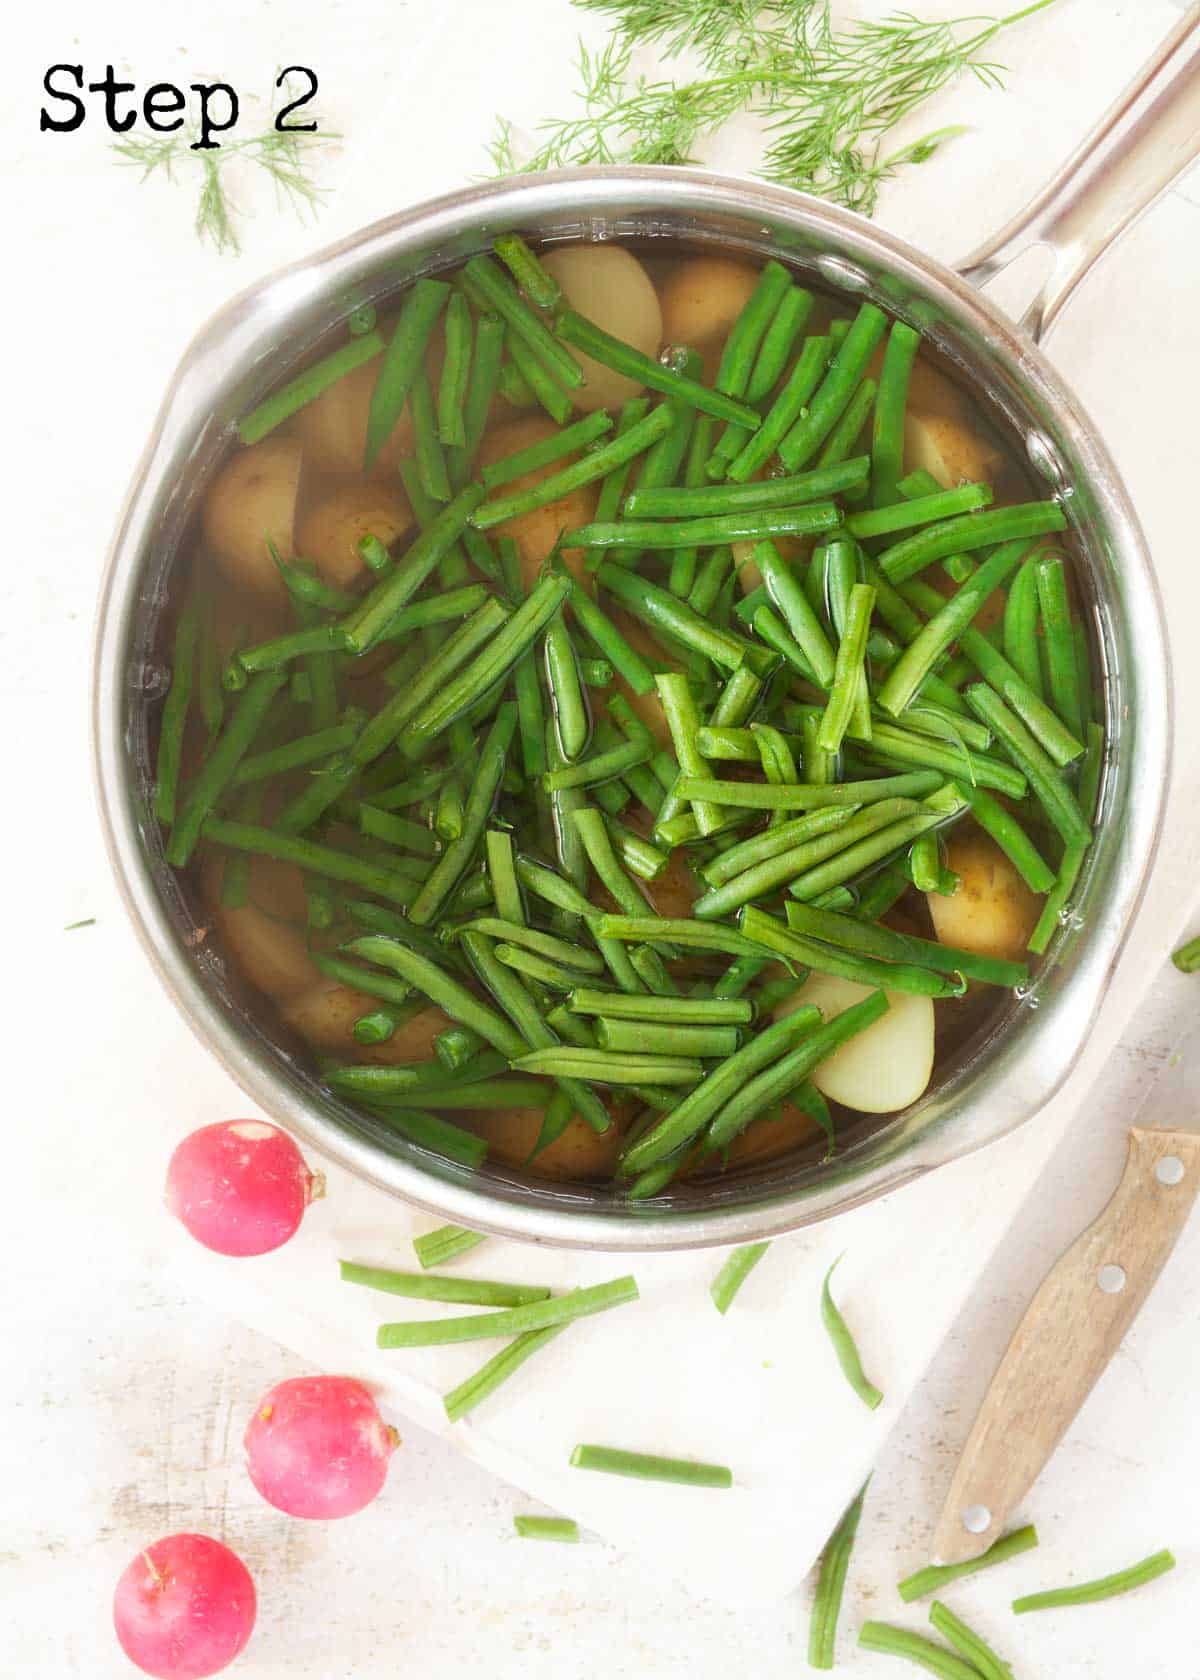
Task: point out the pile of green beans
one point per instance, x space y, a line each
775 664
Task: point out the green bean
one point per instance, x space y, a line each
483 381
455 375
772 842
565 1061
393 719
661 610
401 361
865 970
831 1584
682 574
593 341
777 345
835 391
781 1078
590 825
412 790
843 440
1054 911
1058 640
376 1027
377 918
925 863
599 768
706 590
546 389
502 872
625 661
683 720
802 622
1008 834
856 858
848 668
852 933
674 503
512 1321
447 1242
883 891
777 869
973 1650
639 855
1187 957
914 1648
887 442
548 945
546 452
613 488
566 693
175 712
733 1274
526 268
456 1048
371 619
325 861
511 382
556 1117
475 1389
682 1011
697 1108
922 510
397 831
903 747
547 1528
502 296
1020 627
653 1038
944 627
789 404
298 392
1093 1591
273 655
222 763
482 1094
1047 784
485 783
441 989
778 764
936 1576
488 666
710 532
969 531
675 930
1088 790
540 969
436 609
650 1467
467 1292
747 332
431 462
431 1132
845 1347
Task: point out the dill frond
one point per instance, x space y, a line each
828 96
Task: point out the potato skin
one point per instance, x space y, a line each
325 1015
535 534
610 287
702 298
579 1153
254 497
272 955
333 428
993 911
330 531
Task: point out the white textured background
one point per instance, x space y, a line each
125 1398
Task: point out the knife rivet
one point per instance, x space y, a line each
1111 1279
1169 1170
977 1519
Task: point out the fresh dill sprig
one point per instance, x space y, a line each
282 154
827 95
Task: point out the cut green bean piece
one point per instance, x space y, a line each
295 395
938 1575
789 405
427 448
733 1274
447 1242
921 510
663 612
671 502
848 965
682 1010
915 1648
870 939
831 1584
1021 641
711 532
456 1047
321 860
527 269
785 590
1008 834
1108 1586
611 642
221 764
1187 957
568 1061
431 1132
1058 641
969 531
650 1467
440 988
1047 784
547 451
402 360
849 672
804 796
477 1388
370 620
547 1528
845 1347
514 1321
1055 910
455 376
418 1286
175 712
970 1647
887 442
836 389
566 690
502 296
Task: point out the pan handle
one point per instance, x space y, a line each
1140 146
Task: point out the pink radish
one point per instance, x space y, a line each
317 1447
240 1186
184 1608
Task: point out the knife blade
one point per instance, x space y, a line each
1084 1307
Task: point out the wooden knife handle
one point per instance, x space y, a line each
1070 1331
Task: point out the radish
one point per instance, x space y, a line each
317 1447
184 1608
240 1186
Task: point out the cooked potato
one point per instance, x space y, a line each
676 890
536 533
329 533
993 911
269 953
702 298
765 1138
883 1068
578 1153
938 435
333 427
252 498
610 287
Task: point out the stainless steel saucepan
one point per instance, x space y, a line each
1139 148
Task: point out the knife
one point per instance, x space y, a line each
1073 1325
